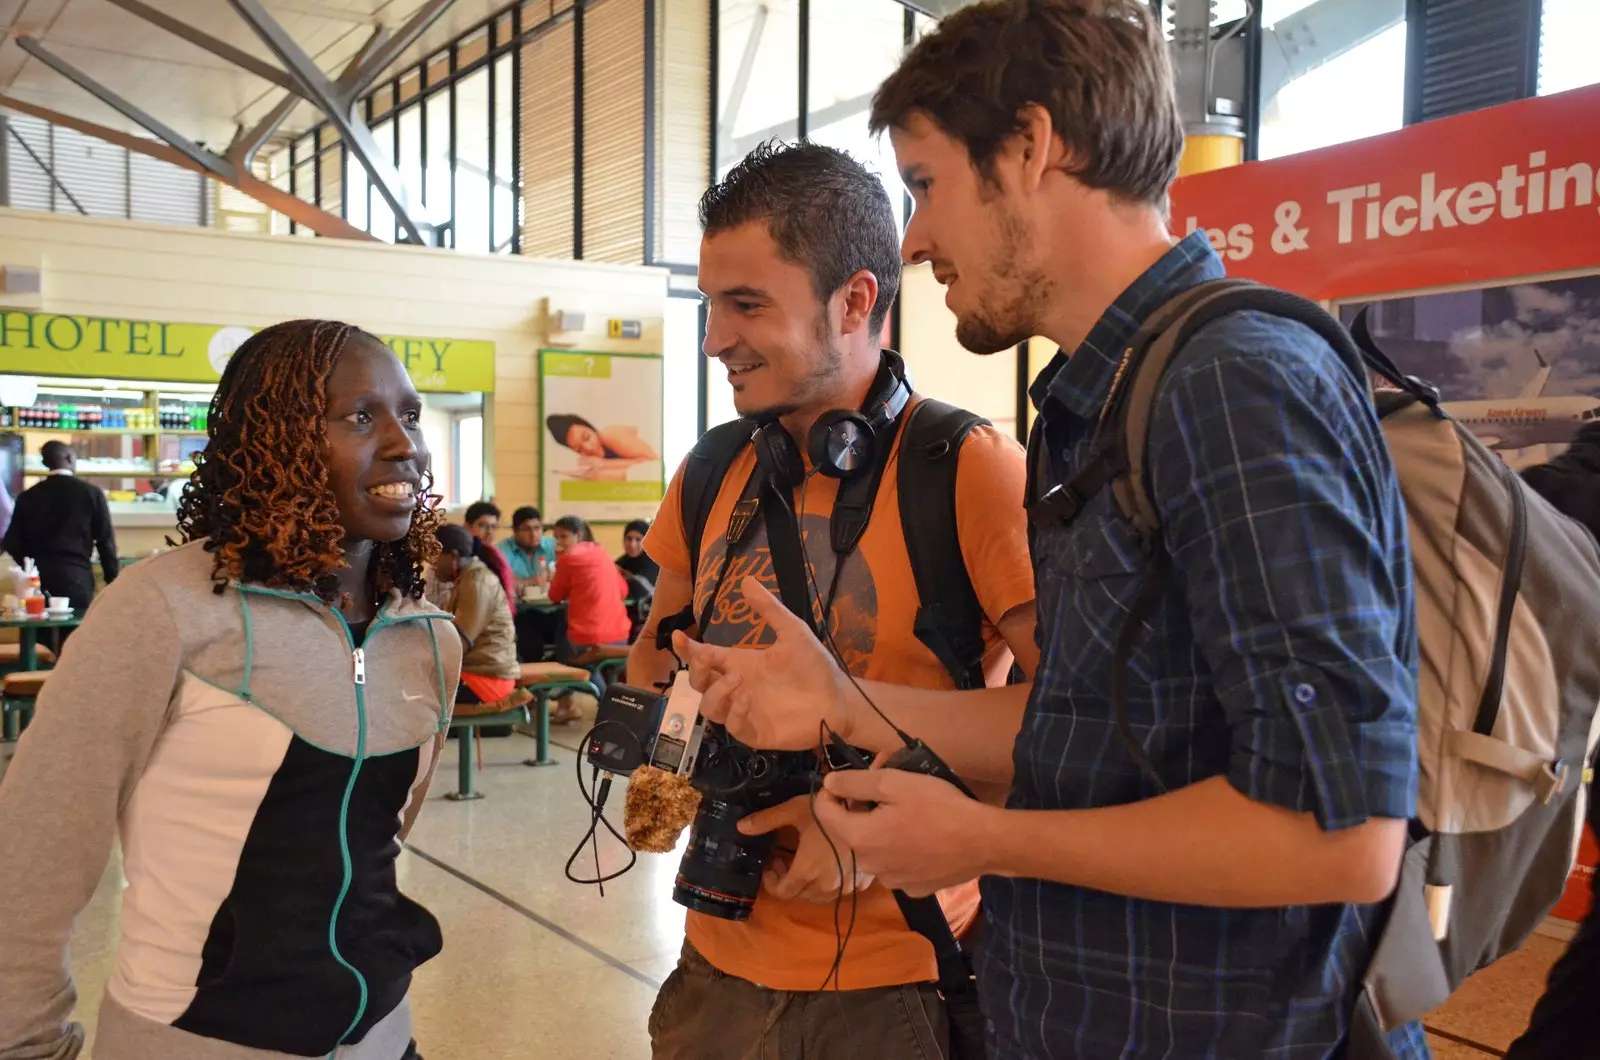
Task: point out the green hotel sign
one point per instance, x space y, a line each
52 344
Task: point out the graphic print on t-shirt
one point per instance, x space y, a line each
853 619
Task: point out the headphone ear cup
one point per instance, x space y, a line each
841 444
779 457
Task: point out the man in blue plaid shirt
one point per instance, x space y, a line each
1274 689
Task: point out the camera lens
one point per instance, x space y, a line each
721 870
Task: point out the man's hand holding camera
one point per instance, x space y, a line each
921 835
813 872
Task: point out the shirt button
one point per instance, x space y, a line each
1304 694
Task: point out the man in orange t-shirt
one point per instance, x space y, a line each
800 263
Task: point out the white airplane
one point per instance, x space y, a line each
1528 419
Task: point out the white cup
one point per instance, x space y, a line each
60 605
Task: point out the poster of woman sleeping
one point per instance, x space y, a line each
600 438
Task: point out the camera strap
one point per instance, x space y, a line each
926 917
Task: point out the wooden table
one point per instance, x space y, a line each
28 633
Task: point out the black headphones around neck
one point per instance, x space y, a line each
842 443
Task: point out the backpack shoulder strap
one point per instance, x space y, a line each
703 471
949 617
1167 332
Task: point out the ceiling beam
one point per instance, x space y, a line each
297 210
1319 33
385 54
246 142
196 154
340 110
351 81
220 48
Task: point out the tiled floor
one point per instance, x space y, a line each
536 965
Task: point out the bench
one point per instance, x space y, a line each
539 680
605 663
11 656
16 705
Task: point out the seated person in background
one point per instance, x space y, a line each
633 559
593 589
532 558
490 670
483 522
530 553
641 573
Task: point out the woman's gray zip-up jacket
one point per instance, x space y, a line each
260 770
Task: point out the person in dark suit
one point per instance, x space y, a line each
1562 1025
61 523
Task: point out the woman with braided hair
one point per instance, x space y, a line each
256 716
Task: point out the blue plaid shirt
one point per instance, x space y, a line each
1282 655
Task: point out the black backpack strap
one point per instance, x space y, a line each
703 471
949 617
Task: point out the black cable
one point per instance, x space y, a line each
595 796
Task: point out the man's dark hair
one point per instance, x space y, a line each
56 455
826 212
478 509
1100 67
523 514
638 526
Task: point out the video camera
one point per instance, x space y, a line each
720 873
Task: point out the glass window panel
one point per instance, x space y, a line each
862 45
472 163
436 188
305 182
758 75
355 192
382 215
410 161
1354 95
680 391
469 457
507 196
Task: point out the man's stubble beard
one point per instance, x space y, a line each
826 368
1006 324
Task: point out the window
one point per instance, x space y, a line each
472 163
758 76
409 160
94 177
680 379
1357 93
382 215
469 457
436 186
1567 35
506 196
854 46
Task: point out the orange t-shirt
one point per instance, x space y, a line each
790 945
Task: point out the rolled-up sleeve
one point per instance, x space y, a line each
1286 527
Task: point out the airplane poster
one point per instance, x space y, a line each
1519 365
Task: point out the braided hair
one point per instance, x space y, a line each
259 497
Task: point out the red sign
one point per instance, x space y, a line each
1496 194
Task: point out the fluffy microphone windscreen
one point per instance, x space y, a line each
660 806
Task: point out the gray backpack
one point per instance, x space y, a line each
1508 616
